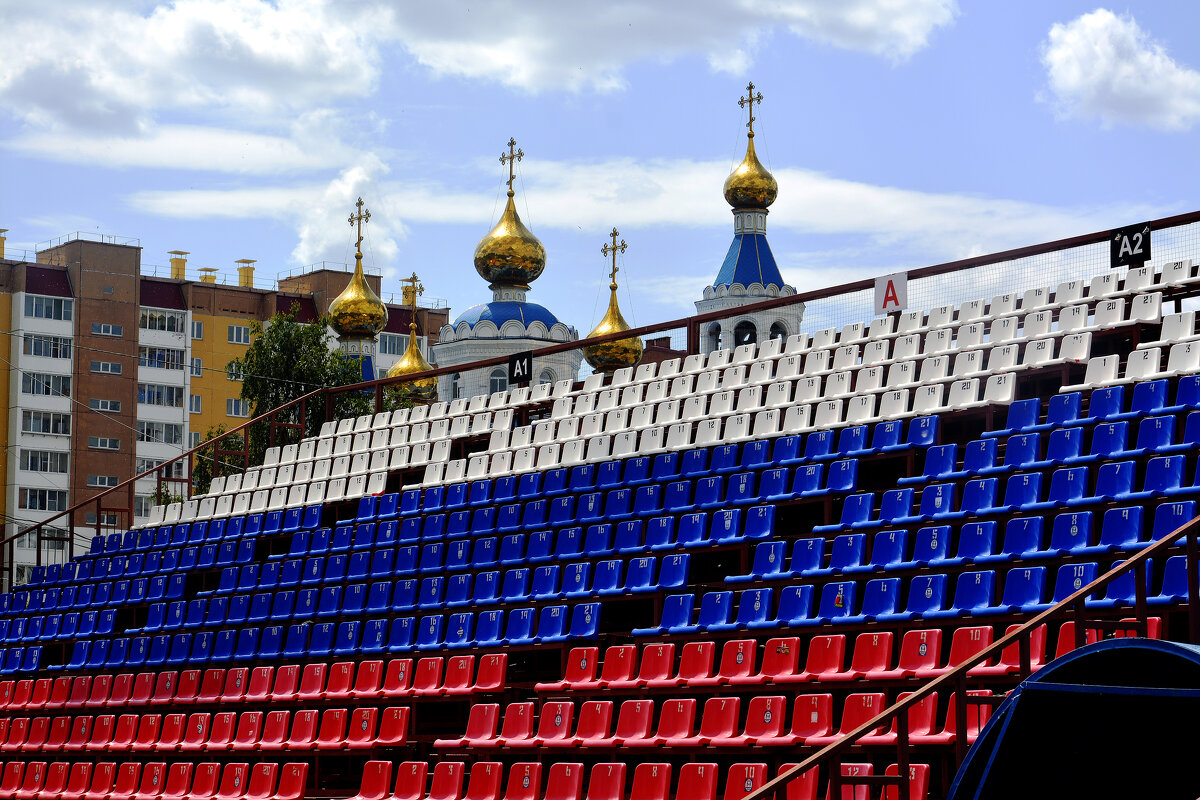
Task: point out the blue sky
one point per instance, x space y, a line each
902 132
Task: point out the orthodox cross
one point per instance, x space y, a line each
510 158
363 215
614 248
749 100
417 289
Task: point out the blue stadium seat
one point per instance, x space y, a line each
852 440
847 551
458 555
1149 398
694 463
489 628
1169 517
568 543
773 484
786 450
530 486
387 508
1121 530
1070 579
677 613
544 584
597 541
577 580
1122 590
1022 540
693 530
741 489
887 436
608 577
1070 533
660 533
374 637
585 621
484 521
1024 588
459 630
768 563
539 546
940 463
519 629
973 592
608 474
562 511
401 634
808 555
842 477
1021 416
895 504
807 480
1104 404
618 504
410 502
1114 483
754 605
978 499
552 624
1174 582
512 549
480 493
627 536
1187 395
930 543
379 597
926 595
837 602
819 445
666 467
515 587
976 542
1155 435
456 496
856 508
639 577
648 500
581 478
429 632
677 497
1109 440
937 501
879 598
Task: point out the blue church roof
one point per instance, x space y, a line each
748 261
501 311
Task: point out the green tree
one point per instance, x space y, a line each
286 360
206 465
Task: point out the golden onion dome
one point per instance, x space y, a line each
611 356
423 390
750 185
358 311
510 255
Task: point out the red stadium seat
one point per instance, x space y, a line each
292 778
918 782
524 781
484 783
764 719
376 781
676 721
188 687
179 781
965 643
364 722
60 732
427 677
737 661
205 781
593 728
18 732
274 730
695 663
872 653
340 682
23 694
447 780
249 730
651 781
32 781
368 681
858 708
103 726
393 727
170 735
121 691
195 737
60 692
919 650
517 726
164 687
221 732
564 781
742 779
410 780
39 731
580 670
233 781
304 731
81 729
658 664
977 717
255 689
104 777
124 733
697 781
262 782
332 734
780 660
78 781
287 681
460 674
154 776
606 782
143 689
397 680
720 719
826 657
492 675
812 715
634 723
619 667
921 721
101 687
81 688
312 682
554 722
1009 662
802 788
126 784
854 791
212 686
482 722
1153 629
147 733
1066 638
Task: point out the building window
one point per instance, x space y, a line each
96 404
195 404
394 344
197 329
107 329
455 386
546 377
194 439
234 372
43 499
43 384
108 519
156 394
52 422
36 344
103 443
142 506
778 330
163 432
153 319
40 307
173 470
106 367
161 358
497 381
236 407
197 367
44 461
102 481
239 334
745 333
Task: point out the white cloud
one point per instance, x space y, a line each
1104 66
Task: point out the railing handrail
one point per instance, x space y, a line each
958 673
